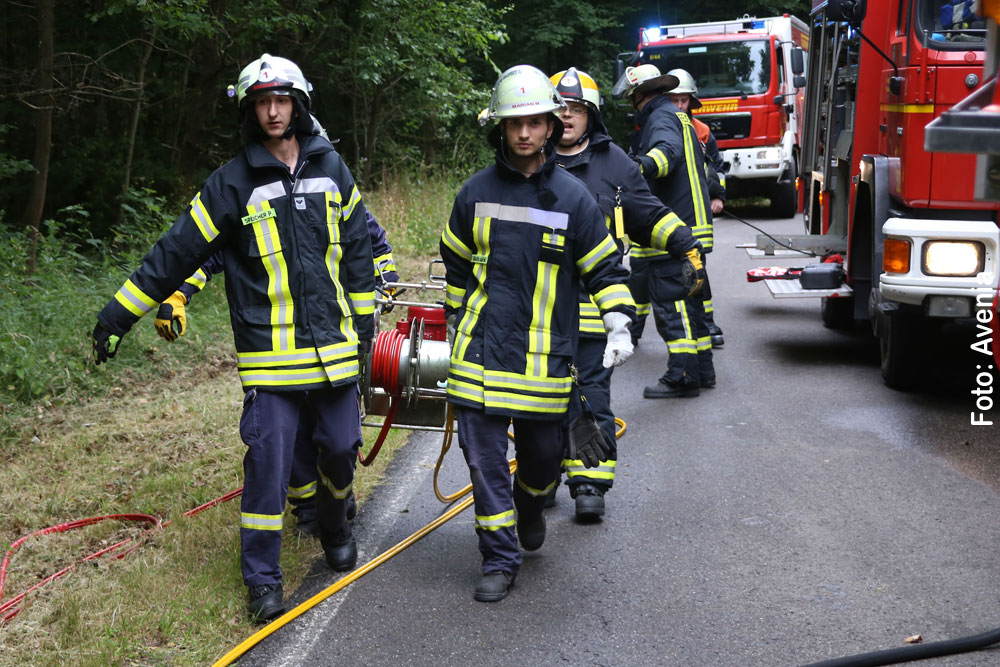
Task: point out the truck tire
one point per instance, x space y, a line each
837 312
784 197
898 344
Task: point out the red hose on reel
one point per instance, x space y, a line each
385 373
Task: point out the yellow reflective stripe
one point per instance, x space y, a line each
363 302
575 468
465 390
908 108
701 220
643 251
495 521
662 230
260 521
599 252
709 308
454 296
542 302
613 295
521 403
134 299
476 302
277 377
339 494
592 326
451 240
643 308
335 253
531 491
278 293
351 203
464 368
271 358
589 309
545 385
204 221
385 263
661 162
328 353
198 279
302 492
704 344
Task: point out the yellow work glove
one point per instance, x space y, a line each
171 320
694 271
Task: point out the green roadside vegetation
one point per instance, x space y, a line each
155 431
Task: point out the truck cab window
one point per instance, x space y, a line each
951 22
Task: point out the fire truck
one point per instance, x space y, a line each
917 247
749 75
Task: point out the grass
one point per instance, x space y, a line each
156 432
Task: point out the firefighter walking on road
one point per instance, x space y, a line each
666 148
586 151
684 97
287 218
522 236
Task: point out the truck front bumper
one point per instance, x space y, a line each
757 162
926 280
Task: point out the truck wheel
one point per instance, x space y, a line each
784 197
898 344
837 312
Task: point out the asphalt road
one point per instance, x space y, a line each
799 511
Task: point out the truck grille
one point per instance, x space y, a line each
727 125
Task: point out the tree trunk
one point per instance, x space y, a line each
134 126
43 127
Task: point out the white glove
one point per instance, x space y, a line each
619 347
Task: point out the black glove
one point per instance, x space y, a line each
587 440
105 344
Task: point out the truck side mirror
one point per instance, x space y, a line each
799 81
798 61
619 69
852 11
779 99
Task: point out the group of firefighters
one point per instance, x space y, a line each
539 303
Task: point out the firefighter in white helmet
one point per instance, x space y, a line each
684 97
300 320
586 151
522 236
666 148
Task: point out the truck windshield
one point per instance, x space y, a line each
721 69
952 22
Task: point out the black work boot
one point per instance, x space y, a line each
493 586
352 506
305 519
716 334
671 390
707 381
341 549
266 602
589 502
531 532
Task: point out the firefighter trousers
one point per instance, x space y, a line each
595 384
270 426
706 298
638 285
538 447
680 320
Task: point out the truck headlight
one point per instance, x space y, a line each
772 154
953 258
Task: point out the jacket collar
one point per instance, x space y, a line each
310 145
654 104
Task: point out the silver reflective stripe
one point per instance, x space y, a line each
537 493
507 379
532 216
339 494
279 358
306 186
265 193
285 377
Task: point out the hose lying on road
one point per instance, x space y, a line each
894 656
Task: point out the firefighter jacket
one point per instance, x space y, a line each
515 250
628 207
670 158
297 259
385 266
